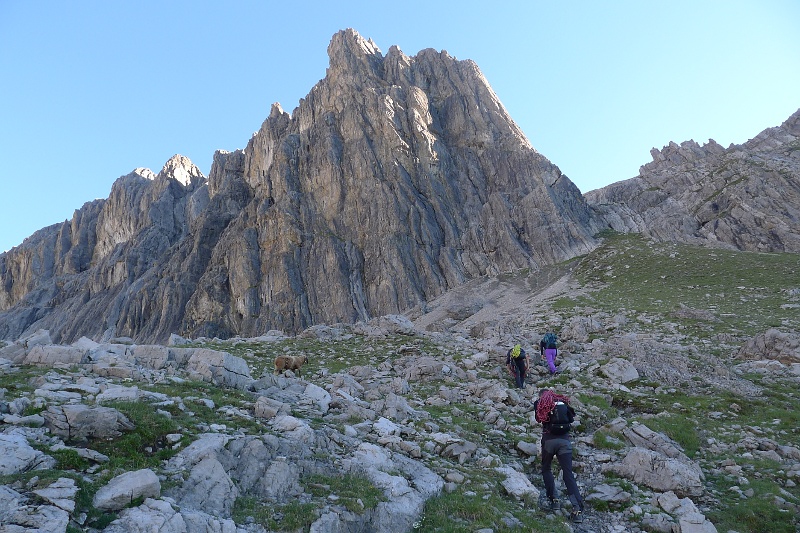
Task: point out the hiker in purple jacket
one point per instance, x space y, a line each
548 350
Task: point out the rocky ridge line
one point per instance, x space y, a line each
745 197
396 179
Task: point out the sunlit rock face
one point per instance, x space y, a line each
396 179
745 197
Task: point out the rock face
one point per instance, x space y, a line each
746 196
396 179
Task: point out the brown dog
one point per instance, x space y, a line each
290 362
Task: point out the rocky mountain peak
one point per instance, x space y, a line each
792 124
182 170
350 54
349 42
395 180
275 111
143 172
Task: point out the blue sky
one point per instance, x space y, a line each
90 90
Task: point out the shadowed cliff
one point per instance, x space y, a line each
396 179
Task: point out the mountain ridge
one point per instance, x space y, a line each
745 196
394 180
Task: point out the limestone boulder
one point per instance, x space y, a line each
660 473
517 484
620 370
17 456
121 490
266 407
79 422
50 355
773 345
220 368
60 493
208 488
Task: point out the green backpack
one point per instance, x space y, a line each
550 340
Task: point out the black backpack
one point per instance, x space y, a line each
560 419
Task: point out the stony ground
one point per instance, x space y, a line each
687 416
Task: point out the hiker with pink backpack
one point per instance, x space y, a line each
556 416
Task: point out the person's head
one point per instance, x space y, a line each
515 351
542 391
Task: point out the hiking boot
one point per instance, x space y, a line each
555 505
576 516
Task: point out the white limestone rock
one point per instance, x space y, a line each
121 490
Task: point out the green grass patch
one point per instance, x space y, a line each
143 447
69 460
458 511
249 507
349 488
681 429
599 407
608 441
195 393
19 380
334 355
751 515
293 516
463 419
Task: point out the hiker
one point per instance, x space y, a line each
548 350
517 363
556 415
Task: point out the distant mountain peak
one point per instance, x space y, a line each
181 169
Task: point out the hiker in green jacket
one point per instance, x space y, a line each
517 363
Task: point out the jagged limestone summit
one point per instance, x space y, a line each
396 179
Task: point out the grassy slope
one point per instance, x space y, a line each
714 299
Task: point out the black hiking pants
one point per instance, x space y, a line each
518 366
560 447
